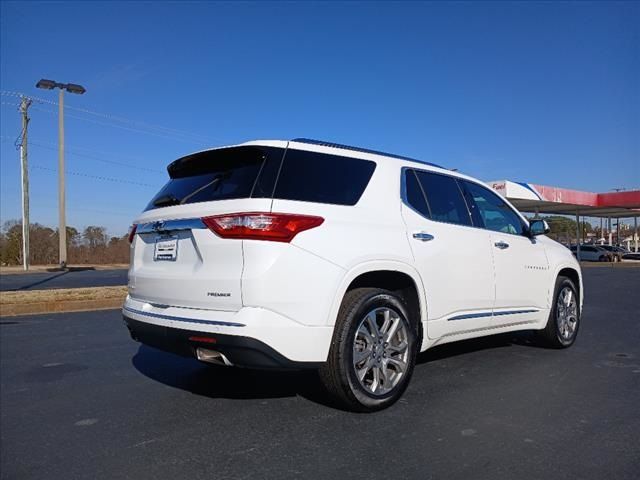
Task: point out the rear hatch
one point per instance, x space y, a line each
176 259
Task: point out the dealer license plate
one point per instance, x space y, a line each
166 249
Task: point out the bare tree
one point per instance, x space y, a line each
91 246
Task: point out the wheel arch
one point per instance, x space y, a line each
575 276
398 277
572 274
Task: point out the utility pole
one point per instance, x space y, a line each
578 235
24 174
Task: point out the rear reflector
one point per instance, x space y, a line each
203 339
277 227
132 232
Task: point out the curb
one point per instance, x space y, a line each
37 308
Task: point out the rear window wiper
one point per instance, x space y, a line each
166 200
216 181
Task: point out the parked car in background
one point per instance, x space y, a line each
616 252
591 253
631 256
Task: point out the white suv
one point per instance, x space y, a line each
276 254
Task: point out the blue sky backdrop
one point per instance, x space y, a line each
541 92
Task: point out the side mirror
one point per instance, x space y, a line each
538 227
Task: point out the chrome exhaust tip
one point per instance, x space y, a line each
212 356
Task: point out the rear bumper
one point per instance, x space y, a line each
251 337
241 351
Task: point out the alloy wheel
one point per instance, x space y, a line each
381 350
567 313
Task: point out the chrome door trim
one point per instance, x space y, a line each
467 316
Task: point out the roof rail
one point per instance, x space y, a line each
358 149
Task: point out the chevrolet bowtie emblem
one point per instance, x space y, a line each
158 226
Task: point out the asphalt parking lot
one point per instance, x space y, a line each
76 278
81 400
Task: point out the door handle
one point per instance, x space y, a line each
422 236
501 245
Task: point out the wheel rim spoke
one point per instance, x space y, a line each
567 298
364 334
375 386
362 372
359 356
400 348
392 330
386 315
373 325
398 363
385 377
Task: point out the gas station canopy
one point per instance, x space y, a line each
529 197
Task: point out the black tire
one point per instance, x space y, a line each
602 258
338 374
552 336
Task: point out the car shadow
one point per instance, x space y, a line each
449 350
237 383
227 382
58 272
40 282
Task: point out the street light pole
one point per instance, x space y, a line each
62 223
62 226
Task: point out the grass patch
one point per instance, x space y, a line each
62 295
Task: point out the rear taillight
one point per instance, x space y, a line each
277 227
132 232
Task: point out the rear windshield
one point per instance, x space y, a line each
323 178
224 174
251 172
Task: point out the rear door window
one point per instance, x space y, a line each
323 178
415 195
444 198
228 173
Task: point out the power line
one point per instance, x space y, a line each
123 127
142 127
97 159
81 209
70 150
115 118
109 154
15 192
94 177
6 93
